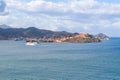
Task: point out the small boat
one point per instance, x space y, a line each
31 43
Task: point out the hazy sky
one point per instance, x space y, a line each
92 16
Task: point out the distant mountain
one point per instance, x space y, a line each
31 32
4 26
102 36
45 35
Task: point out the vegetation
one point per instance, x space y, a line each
47 36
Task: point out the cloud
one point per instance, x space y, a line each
3 8
72 6
71 15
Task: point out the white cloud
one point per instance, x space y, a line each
73 15
73 6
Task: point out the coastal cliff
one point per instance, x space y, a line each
76 38
82 38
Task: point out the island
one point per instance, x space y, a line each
41 35
102 36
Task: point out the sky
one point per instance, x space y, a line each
89 16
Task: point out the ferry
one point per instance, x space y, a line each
31 43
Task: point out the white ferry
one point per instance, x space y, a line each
31 43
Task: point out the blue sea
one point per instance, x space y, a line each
60 61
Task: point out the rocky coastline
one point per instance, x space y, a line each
41 35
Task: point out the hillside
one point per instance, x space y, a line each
47 35
102 36
31 32
82 38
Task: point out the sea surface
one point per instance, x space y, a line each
60 61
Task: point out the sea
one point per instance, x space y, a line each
60 61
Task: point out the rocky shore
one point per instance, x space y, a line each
78 38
